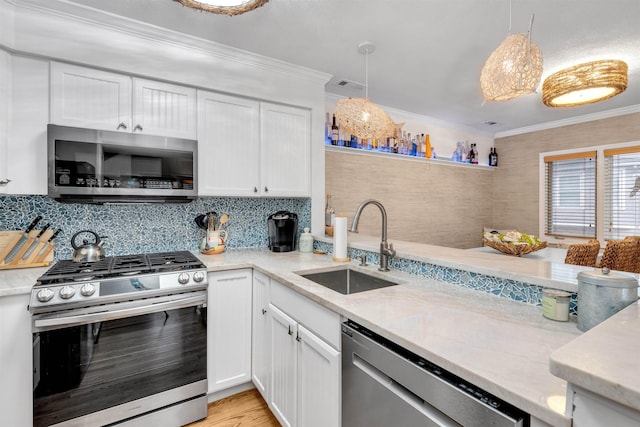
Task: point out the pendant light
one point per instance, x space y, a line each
224 7
585 83
361 117
513 69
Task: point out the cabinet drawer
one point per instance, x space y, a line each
323 322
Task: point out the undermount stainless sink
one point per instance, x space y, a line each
346 280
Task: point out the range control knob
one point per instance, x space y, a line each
198 276
183 278
67 292
45 295
87 290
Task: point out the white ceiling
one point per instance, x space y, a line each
429 53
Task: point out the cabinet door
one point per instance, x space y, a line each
282 396
164 109
228 145
285 136
83 97
5 116
26 160
16 353
318 381
260 334
229 329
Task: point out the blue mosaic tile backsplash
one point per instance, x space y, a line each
506 288
146 228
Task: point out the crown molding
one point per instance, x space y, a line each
107 20
571 121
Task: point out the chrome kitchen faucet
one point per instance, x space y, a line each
386 249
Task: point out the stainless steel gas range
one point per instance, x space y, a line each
120 341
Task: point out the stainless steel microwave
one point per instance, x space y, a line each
96 166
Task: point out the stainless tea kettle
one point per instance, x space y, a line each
88 252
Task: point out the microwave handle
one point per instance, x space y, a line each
84 319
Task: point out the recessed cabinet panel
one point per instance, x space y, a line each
318 381
88 98
229 329
260 334
285 136
282 396
164 109
228 145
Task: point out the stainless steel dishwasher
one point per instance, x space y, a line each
384 385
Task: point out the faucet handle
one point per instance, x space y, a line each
392 252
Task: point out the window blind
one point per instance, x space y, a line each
570 204
622 192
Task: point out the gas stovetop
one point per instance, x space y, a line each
67 271
69 284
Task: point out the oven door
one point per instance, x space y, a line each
104 364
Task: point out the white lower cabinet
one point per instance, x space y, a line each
16 353
229 329
260 358
592 410
304 382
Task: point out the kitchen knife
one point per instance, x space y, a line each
36 242
23 239
47 248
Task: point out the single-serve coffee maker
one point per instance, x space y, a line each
283 227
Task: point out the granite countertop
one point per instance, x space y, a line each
501 345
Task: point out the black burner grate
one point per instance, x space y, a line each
123 265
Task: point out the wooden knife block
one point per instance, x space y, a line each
8 240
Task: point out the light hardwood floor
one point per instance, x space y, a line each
246 409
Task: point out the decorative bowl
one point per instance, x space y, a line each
514 248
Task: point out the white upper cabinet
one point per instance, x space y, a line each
228 145
84 97
164 109
87 98
285 133
251 148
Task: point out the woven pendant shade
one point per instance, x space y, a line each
363 118
512 70
219 8
585 83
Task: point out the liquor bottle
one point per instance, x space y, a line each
470 156
334 132
329 213
427 144
475 154
494 161
491 156
327 129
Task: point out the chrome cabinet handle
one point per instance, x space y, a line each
255 189
266 190
5 181
122 125
298 337
138 127
264 311
290 331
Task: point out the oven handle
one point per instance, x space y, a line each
84 319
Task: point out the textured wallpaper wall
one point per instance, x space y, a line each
142 228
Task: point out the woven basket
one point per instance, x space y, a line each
513 249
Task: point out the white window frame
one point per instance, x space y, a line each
600 199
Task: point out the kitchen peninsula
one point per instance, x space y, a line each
498 344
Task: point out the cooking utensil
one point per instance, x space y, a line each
47 248
88 252
36 242
223 220
202 221
23 239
